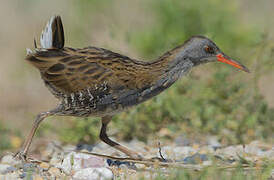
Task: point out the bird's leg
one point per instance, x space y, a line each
104 137
22 154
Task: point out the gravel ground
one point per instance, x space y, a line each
67 162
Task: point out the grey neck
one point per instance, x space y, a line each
175 71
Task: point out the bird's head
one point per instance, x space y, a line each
200 50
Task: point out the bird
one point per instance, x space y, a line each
96 82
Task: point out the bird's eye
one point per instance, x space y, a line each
209 49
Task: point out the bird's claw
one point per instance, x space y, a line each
20 155
159 159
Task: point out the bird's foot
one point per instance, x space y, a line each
159 159
138 157
20 155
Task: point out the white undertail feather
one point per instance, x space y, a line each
51 37
46 36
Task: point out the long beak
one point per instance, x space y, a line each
225 59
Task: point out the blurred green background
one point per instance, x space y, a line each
213 100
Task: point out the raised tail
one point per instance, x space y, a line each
53 34
51 41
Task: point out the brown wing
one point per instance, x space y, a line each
71 70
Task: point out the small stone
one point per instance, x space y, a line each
9 170
3 168
54 171
9 159
76 161
93 173
44 165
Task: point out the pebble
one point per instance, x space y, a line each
9 159
93 174
76 161
9 170
44 165
3 168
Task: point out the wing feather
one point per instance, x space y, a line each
71 70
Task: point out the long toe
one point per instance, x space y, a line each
159 159
21 156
